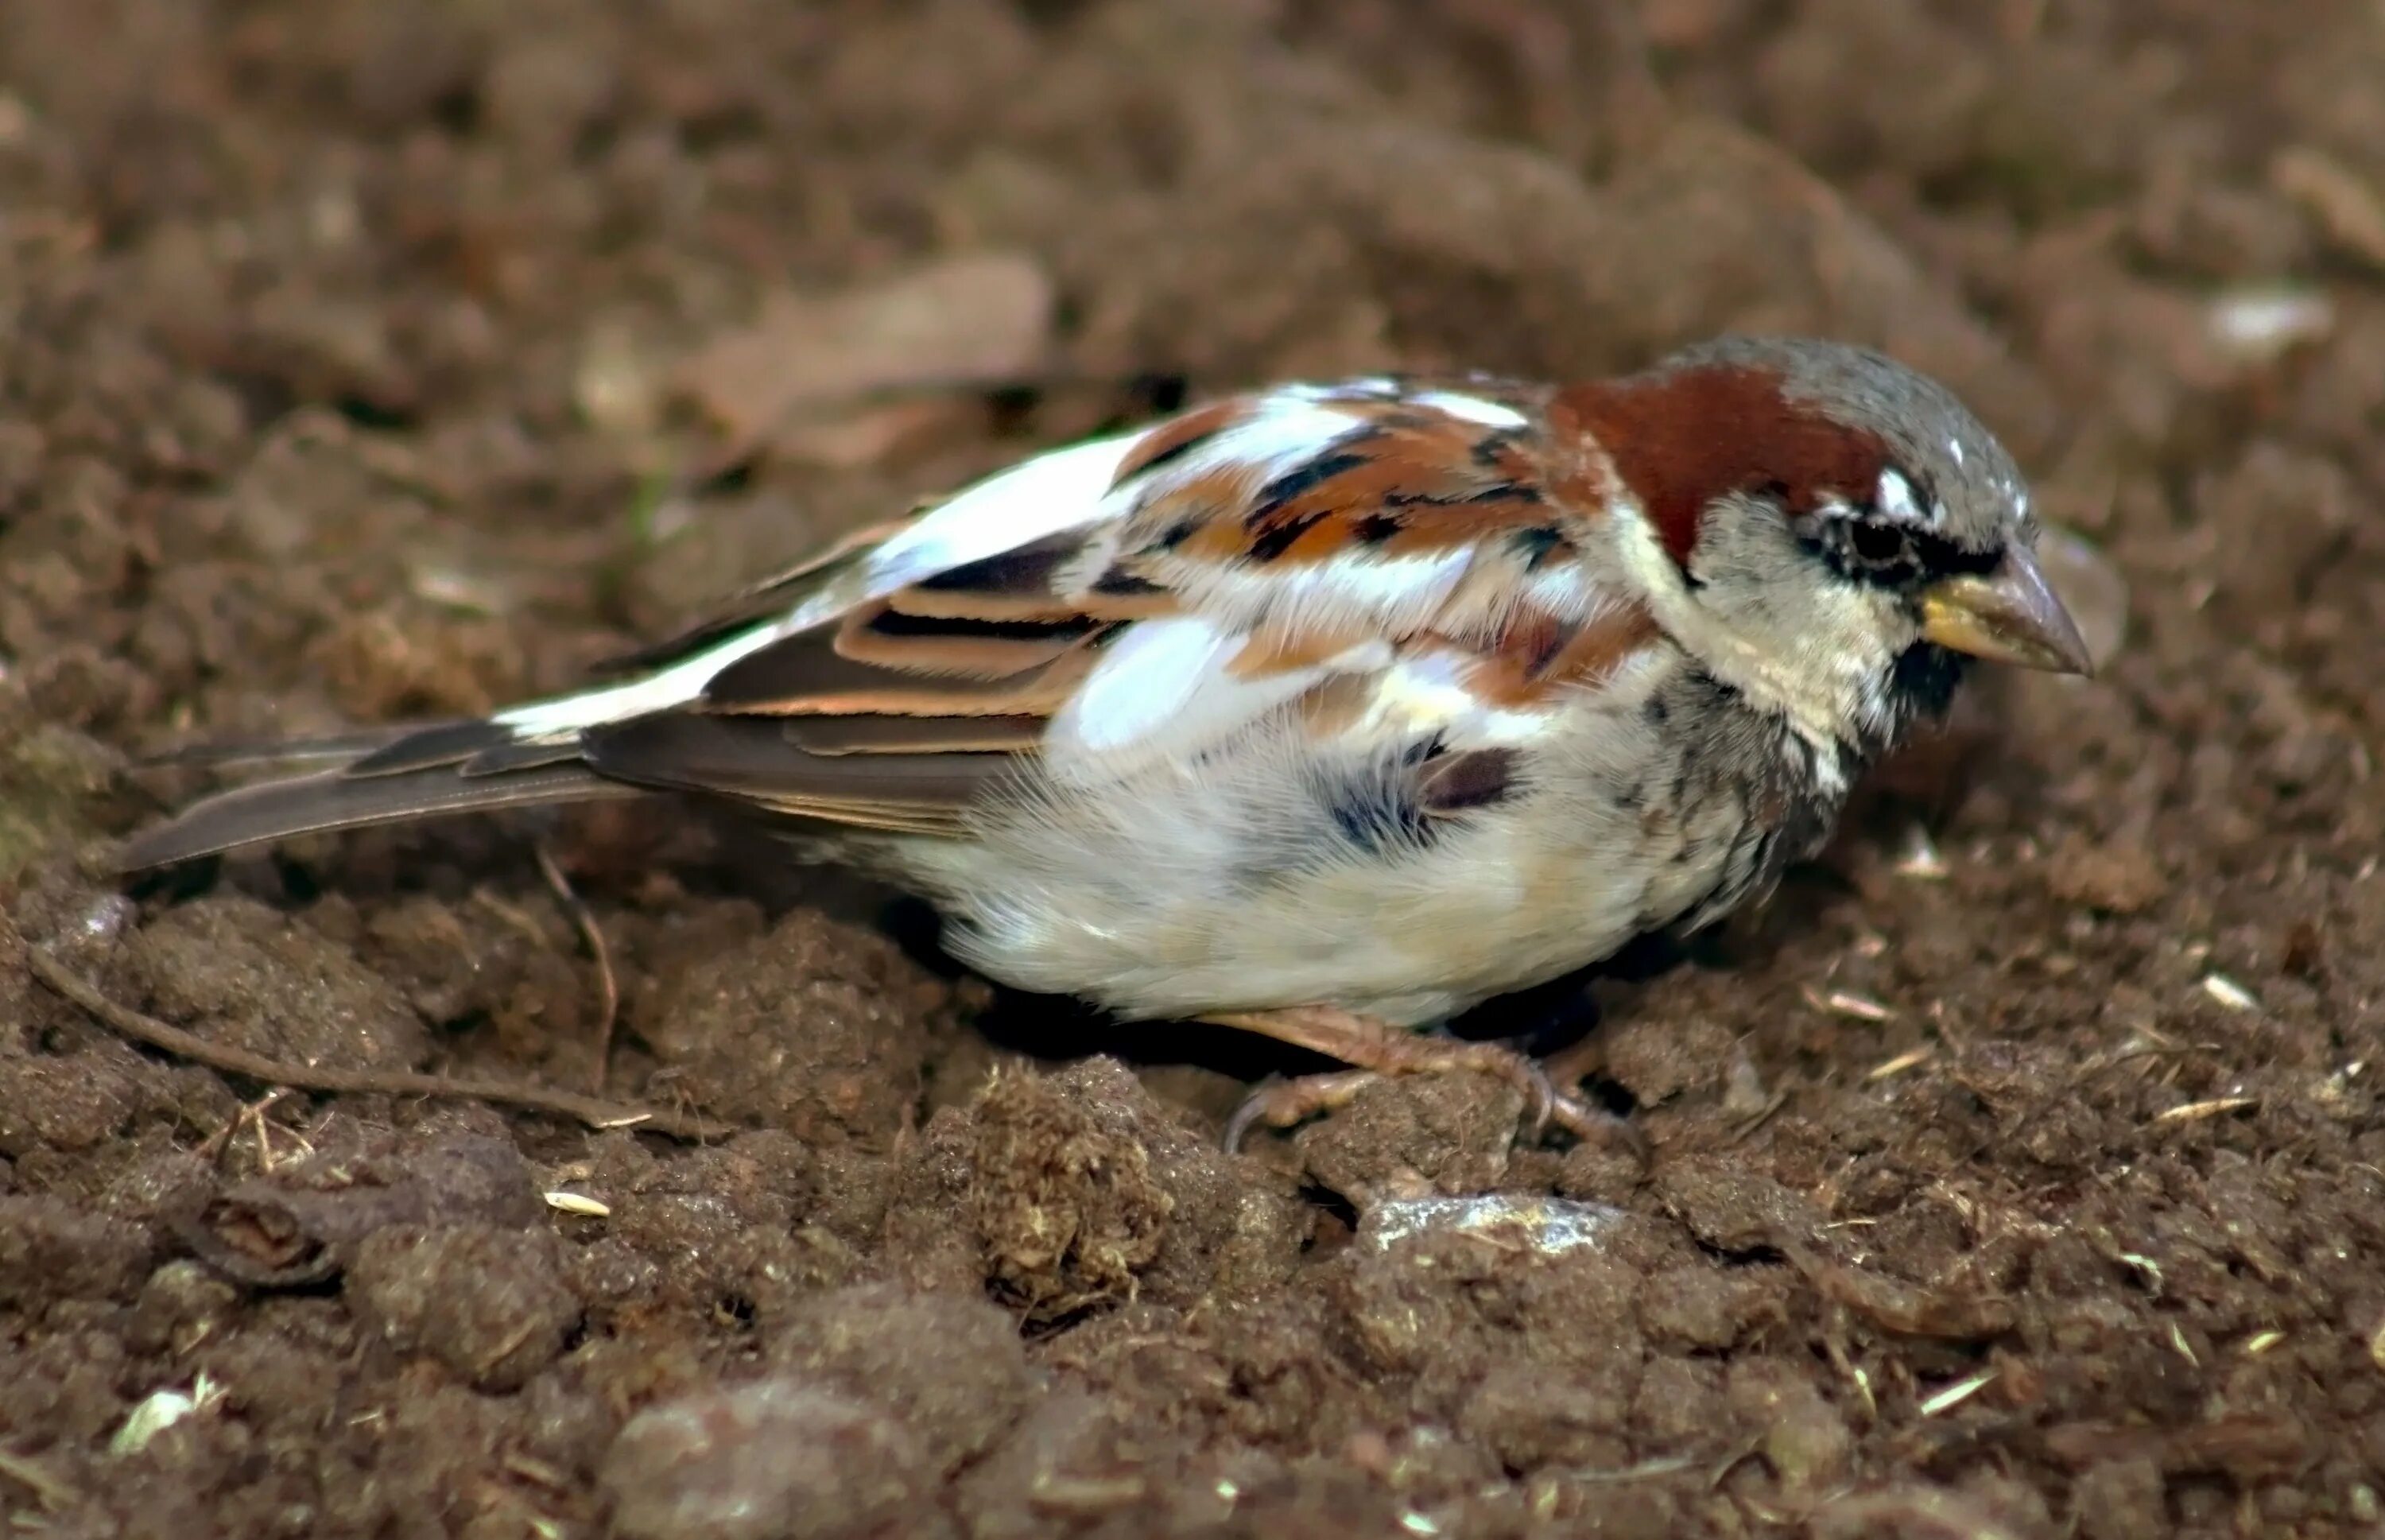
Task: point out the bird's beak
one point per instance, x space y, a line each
2008 615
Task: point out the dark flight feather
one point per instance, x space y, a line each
316 804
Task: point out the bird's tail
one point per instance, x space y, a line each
391 777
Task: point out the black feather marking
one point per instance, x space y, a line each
1507 492
1177 533
1477 778
1120 583
1491 448
1375 816
1504 492
1410 805
1536 545
1274 542
451 744
1944 557
1029 568
1175 452
510 757
1921 684
1301 477
893 622
315 804
1375 528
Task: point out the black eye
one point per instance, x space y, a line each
1884 552
1878 545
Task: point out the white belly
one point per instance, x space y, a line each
1226 888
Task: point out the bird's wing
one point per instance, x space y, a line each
1391 562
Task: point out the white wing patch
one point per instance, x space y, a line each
1285 428
562 716
1064 489
1163 689
1427 692
1061 490
1388 593
1473 409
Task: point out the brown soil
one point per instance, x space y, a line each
2038 1192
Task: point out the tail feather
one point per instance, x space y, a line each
344 749
339 799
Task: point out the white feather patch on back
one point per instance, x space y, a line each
1163 689
1394 594
1286 429
1060 490
1473 409
562 716
1063 489
1426 693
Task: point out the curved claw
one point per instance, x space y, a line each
1596 1125
1281 1103
1252 1110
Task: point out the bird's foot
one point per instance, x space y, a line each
1375 1048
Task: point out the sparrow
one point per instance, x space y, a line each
1327 711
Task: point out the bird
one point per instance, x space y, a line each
1322 710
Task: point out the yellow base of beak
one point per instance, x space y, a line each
2008 615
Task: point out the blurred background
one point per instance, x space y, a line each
359 361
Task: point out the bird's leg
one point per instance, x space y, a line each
1376 1047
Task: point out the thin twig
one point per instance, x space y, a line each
608 988
54 1495
591 1110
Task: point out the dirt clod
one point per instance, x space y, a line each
1065 1203
776 1457
490 1304
812 1027
953 1369
50 1250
